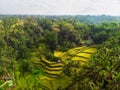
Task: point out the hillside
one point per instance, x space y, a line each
59 53
51 75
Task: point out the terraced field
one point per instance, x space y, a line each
81 54
52 72
51 75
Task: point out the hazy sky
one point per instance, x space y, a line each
60 7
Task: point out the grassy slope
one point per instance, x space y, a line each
51 76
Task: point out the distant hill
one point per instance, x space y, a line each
97 19
89 19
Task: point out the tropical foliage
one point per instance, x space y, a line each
59 53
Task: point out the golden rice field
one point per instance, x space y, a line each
81 54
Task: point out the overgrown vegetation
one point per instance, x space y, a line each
60 52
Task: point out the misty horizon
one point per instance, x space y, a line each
61 7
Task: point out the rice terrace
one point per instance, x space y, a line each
59 44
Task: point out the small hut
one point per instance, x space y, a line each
7 78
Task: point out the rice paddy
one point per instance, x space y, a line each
51 73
